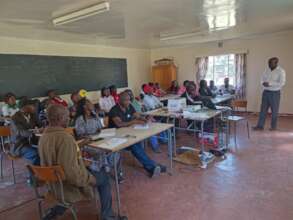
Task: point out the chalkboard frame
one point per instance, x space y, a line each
40 72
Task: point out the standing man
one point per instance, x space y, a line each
273 79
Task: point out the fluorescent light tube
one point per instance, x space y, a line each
82 13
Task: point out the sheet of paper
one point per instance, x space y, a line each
141 127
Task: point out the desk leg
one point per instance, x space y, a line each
116 158
170 150
202 147
174 140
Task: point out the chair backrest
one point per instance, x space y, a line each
70 130
50 174
238 103
5 131
52 177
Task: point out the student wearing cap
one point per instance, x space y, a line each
11 105
149 100
55 99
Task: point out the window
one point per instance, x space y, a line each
220 67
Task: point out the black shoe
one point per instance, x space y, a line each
122 218
256 128
54 212
121 178
156 172
163 168
273 129
157 150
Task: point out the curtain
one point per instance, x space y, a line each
201 64
240 76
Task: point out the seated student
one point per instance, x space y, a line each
123 115
57 147
149 100
204 90
138 106
75 97
142 94
43 113
174 87
114 94
213 88
191 95
23 139
106 101
158 91
11 105
182 88
227 88
55 99
88 123
154 140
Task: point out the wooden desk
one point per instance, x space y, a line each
136 136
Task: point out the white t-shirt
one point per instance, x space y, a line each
106 103
8 111
151 102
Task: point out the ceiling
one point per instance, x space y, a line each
147 23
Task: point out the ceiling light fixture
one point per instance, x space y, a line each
81 13
180 36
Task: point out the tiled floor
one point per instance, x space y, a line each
255 182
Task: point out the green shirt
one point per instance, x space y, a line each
136 105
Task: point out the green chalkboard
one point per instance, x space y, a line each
34 75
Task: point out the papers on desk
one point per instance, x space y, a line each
105 133
113 142
176 105
218 107
141 127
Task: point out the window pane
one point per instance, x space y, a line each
220 67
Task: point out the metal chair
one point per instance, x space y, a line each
52 177
236 106
5 134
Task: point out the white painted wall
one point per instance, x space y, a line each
259 50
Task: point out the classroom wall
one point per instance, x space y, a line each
259 50
138 60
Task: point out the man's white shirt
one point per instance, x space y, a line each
275 78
